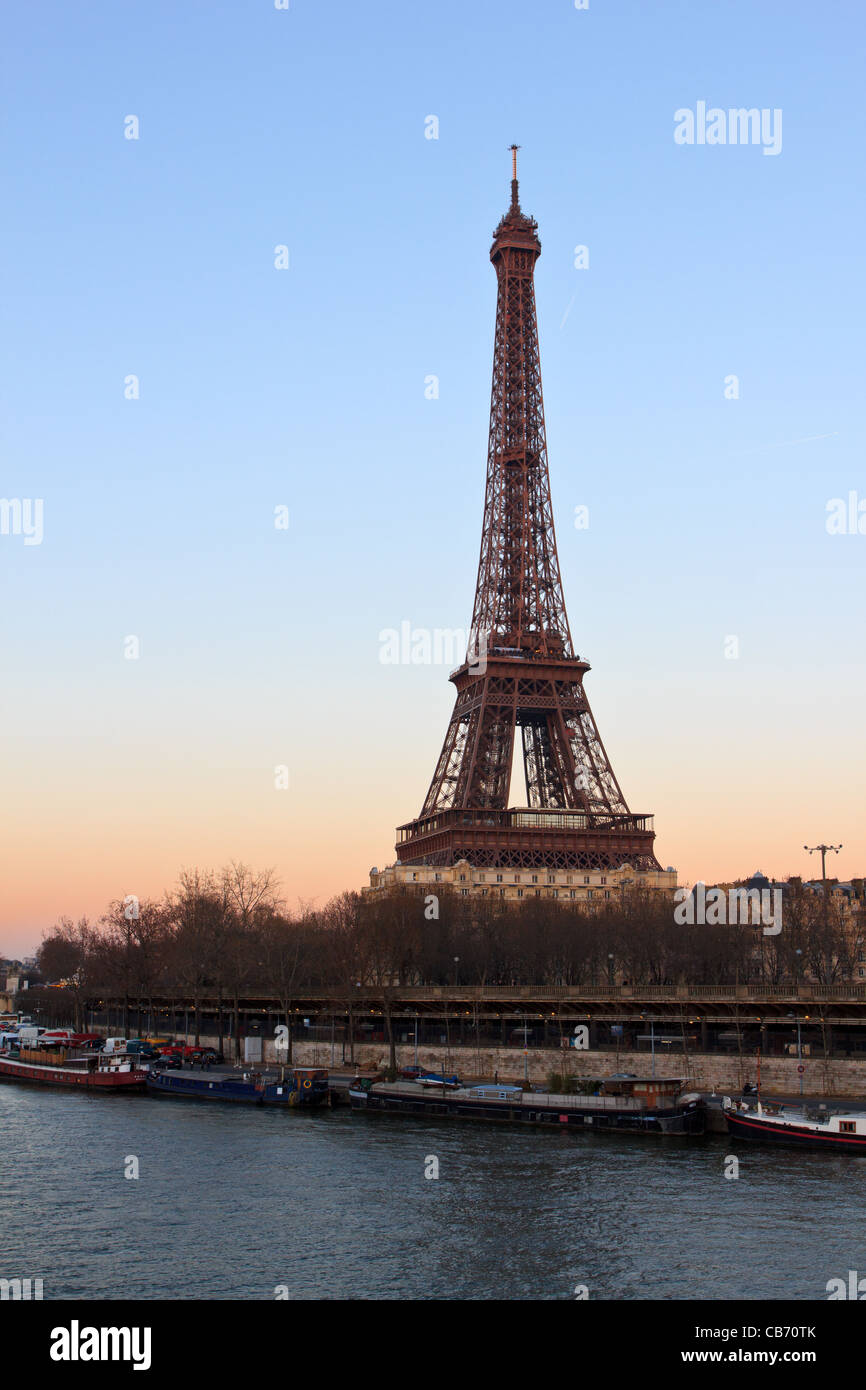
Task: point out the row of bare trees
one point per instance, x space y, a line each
229 936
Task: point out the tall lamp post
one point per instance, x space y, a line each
823 850
524 1016
799 1052
652 1028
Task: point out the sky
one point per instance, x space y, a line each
235 475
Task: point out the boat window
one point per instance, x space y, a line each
847 1127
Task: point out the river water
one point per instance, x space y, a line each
238 1202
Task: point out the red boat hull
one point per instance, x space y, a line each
97 1079
755 1128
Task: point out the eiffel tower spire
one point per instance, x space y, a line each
519 603
521 671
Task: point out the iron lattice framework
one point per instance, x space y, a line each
521 670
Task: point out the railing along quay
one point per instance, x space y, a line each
566 993
629 996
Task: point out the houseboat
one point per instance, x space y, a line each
632 1105
92 1071
785 1124
183 1084
301 1087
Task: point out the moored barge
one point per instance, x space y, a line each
839 1132
633 1105
94 1072
303 1087
189 1087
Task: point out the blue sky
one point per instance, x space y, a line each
305 387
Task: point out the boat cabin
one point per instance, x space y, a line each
497 1092
310 1078
847 1124
652 1090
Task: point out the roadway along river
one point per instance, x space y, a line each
232 1202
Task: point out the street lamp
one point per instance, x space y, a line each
352 1023
798 953
823 850
799 1050
652 1028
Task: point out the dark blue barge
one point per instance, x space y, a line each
302 1087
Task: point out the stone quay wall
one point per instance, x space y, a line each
703 1071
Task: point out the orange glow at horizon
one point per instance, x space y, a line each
73 858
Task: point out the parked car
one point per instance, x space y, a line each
202 1053
170 1061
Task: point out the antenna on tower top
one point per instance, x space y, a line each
514 149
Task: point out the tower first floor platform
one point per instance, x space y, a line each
525 838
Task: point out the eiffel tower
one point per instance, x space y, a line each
520 671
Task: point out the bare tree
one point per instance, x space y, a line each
68 954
